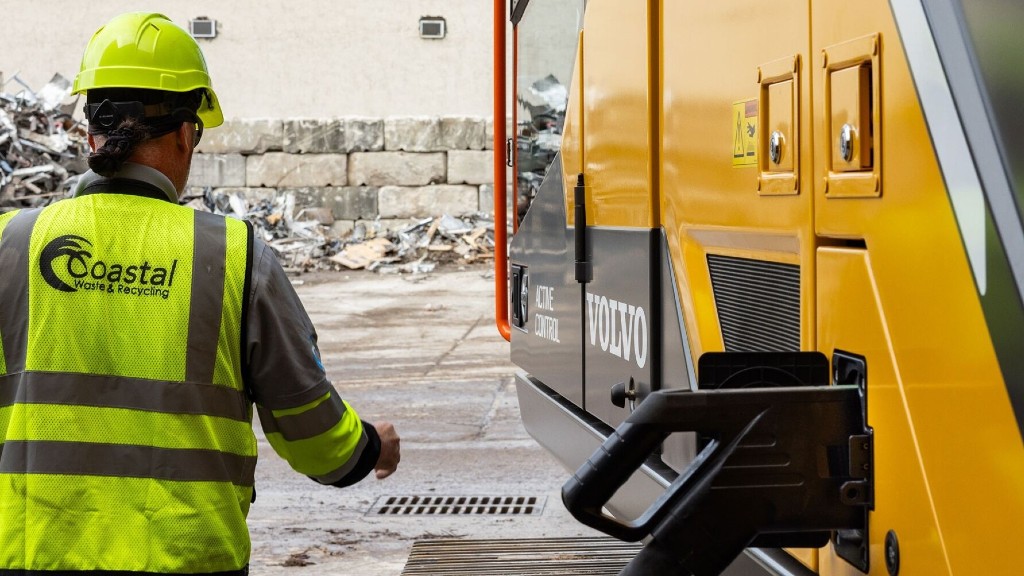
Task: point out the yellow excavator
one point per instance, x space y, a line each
765 282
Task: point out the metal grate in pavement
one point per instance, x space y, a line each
459 505
530 557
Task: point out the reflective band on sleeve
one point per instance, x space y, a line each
128 461
14 248
324 454
119 392
207 296
315 421
340 473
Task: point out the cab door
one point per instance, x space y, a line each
546 328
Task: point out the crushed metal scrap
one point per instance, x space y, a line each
43 151
305 241
42 148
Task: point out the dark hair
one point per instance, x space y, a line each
121 143
130 131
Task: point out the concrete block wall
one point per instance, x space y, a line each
346 170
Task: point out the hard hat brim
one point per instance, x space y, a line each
151 79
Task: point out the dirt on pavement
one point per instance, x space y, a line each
423 353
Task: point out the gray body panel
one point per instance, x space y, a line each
619 322
544 245
632 274
632 269
677 370
570 327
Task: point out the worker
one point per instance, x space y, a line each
135 337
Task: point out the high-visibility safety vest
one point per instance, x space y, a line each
126 429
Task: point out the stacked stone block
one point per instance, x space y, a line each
345 170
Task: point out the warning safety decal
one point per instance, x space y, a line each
744 133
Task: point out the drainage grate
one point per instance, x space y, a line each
527 557
459 505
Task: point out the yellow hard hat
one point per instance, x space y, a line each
146 50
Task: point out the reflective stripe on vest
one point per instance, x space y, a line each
4 219
127 438
16 227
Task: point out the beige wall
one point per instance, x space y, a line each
306 58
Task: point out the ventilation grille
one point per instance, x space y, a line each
459 505
758 303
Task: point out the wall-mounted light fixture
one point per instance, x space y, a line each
202 27
432 27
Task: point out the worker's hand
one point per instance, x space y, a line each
390 451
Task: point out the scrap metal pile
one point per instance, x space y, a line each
42 149
303 243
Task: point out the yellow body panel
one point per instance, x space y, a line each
883 270
903 503
710 206
617 116
949 386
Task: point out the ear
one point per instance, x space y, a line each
92 143
183 137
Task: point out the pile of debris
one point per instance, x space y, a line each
43 151
42 148
303 243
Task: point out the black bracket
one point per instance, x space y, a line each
775 470
584 269
510 148
520 296
852 544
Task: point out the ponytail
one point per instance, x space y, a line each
119 145
127 117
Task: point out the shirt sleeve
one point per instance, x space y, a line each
303 416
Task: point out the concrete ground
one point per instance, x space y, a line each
422 352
